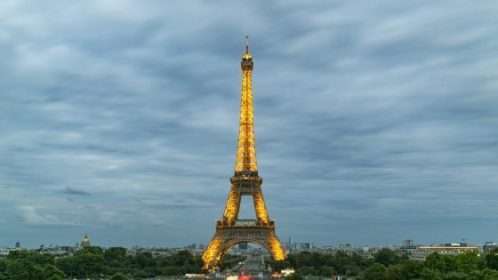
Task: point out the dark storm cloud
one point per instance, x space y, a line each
72 191
378 116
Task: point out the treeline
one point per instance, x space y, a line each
390 265
94 262
116 264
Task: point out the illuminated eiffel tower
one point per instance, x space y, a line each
229 229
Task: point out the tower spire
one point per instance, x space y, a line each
247 43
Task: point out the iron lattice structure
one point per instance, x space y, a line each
230 230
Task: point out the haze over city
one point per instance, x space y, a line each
375 123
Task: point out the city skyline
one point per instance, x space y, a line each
375 123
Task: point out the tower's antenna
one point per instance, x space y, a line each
247 43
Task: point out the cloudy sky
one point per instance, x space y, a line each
375 122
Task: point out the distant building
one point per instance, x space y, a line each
408 247
289 244
58 250
451 249
4 252
85 242
408 244
243 246
489 246
345 247
306 246
155 252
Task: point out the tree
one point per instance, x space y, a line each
22 269
430 274
308 270
68 265
326 271
411 269
55 277
95 250
90 264
375 272
492 259
456 275
115 254
51 271
442 263
468 262
387 257
487 274
294 276
395 272
144 259
119 276
3 265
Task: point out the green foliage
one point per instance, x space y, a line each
442 263
469 262
23 269
88 262
96 263
387 257
391 265
115 263
115 254
394 272
94 250
485 274
492 259
376 271
3 266
294 276
52 272
430 274
119 276
324 265
55 277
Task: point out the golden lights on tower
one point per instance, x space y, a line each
246 146
246 181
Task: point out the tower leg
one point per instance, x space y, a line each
260 207
275 247
232 206
213 253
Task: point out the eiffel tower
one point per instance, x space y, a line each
230 230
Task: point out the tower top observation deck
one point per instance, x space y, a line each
247 63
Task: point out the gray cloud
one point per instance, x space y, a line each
374 122
72 191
